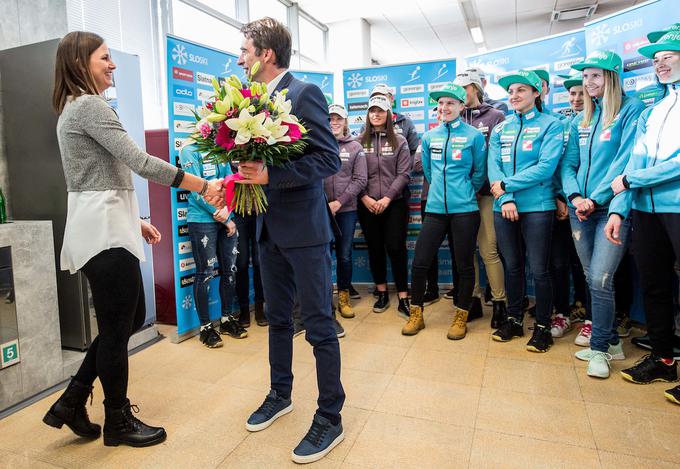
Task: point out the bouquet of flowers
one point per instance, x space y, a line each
242 122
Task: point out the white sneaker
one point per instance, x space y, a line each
559 326
598 365
583 337
615 352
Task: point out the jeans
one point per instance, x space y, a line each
531 237
247 253
560 265
210 245
656 247
464 228
118 296
600 259
343 247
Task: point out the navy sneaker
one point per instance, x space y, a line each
272 408
321 438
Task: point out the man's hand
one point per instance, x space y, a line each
496 189
221 215
509 211
562 212
617 184
231 228
215 194
150 233
334 206
254 172
612 228
381 205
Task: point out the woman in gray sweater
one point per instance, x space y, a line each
102 236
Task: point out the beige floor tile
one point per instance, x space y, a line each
448 367
560 354
371 357
15 461
435 339
252 454
404 442
254 374
538 417
380 334
362 388
532 378
641 432
495 450
453 404
617 460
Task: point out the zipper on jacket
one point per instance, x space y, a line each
590 155
514 150
446 146
658 143
378 153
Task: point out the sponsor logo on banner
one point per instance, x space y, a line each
600 35
183 109
490 64
568 48
437 86
204 78
182 214
182 196
186 281
412 102
560 98
187 264
184 127
376 79
356 120
355 80
420 128
637 82
205 95
566 64
351 94
631 47
415 115
411 244
182 74
178 143
182 230
414 219
432 125
184 247
180 55
636 63
408 89
432 114
183 92
527 145
357 106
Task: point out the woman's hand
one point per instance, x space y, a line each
612 228
584 207
150 234
617 184
381 205
221 215
496 189
562 212
369 203
231 228
509 211
215 194
334 206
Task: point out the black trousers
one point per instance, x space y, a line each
464 227
656 246
118 295
385 235
247 252
560 265
433 271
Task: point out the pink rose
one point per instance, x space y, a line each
224 138
293 131
205 130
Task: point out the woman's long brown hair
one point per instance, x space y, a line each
72 75
367 137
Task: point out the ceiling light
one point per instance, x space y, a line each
573 13
477 35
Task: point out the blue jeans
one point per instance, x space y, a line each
343 247
211 245
531 237
600 259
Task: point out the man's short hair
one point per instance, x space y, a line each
267 33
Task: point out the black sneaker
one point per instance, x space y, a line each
509 330
643 342
353 293
273 407
209 336
430 297
321 438
488 297
376 293
673 395
231 327
475 309
649 369
541 340
383 302
404 308
499 314
339 330
244 317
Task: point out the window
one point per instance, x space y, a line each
312 44
272 8
194 25
226 7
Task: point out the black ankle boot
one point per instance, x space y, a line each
244 317
499 314
260 318
383 302
70 410
121 427
475 309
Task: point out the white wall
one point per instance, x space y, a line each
349 46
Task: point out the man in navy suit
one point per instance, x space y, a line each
294 239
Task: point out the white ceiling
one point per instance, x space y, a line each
409 30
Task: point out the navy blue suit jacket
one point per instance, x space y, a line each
298 213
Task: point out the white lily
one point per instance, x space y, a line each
276 130
247 126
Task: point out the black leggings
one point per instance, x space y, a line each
118 296
387 232
464 227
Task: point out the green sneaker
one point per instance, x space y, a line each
616 352
598 365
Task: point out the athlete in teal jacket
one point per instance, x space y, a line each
454 163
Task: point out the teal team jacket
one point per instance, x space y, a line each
595 155
192 162
454 163
524 151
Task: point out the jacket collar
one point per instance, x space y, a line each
284 82
453 124
527 116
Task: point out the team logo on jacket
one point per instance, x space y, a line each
527 145
456 155
606 135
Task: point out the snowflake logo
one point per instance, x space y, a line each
360 262
600 35
186 302
355 80
179 54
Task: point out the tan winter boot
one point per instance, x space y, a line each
415 321
458 329
343 304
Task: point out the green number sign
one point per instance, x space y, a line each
9 353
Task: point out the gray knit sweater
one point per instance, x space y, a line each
97 153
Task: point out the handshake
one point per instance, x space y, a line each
213 193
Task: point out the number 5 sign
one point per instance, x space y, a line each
9 353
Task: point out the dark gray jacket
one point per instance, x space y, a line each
501 106
404 127
345 185
389 169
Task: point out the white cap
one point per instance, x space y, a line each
381 88
337 109
380 101
468 77
480 73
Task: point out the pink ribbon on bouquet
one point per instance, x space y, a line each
229 184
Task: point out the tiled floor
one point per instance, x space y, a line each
419 402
